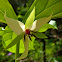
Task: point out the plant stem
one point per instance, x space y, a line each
17 52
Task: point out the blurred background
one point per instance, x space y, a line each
47 50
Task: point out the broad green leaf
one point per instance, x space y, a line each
31 43
30 19
57 13
37 24
40 6
7 36
52 2
0 28
46 27
17 39
40 35
29 11
26 45
2 33
5 6
2 21
15 25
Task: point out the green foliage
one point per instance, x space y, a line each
40 6
2 33
7 36
6 7
47 26
14 41
56 5
44 8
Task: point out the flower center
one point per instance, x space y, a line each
27 31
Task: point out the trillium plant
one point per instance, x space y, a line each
34 21
31 28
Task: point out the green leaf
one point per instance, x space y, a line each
17 39
30 19
15 25
37 24
5 6
40 35
59 15
2 21
2 33
46 27
7 36
31 43
56 4
40 6
0 28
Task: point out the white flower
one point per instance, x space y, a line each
20 29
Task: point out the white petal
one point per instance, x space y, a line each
17 26
22 25
33 26
2 28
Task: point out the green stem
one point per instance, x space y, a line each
17 52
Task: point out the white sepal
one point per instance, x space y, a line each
26 45
37 24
